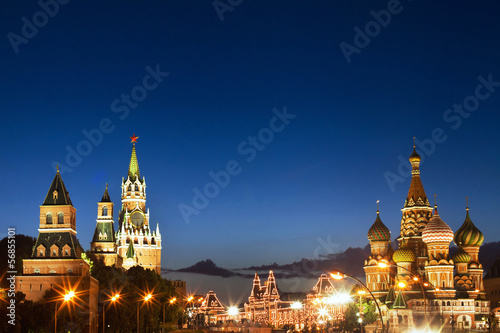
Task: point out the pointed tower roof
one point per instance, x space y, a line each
390 296
324 286
468 234
211 302
130 250
272 288
399 302
256 288
57 194
416 194
105 196
133 168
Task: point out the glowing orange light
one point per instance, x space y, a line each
69 295
401 284
382 265
336 276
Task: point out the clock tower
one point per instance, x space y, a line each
139 243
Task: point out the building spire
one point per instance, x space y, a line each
133 168
416 193
105 196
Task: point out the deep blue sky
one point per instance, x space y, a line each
318 178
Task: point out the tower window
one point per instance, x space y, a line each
104 211
48 218
60 217
37 270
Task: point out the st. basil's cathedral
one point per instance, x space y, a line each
420 284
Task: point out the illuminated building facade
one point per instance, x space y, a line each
138 243
135 243
437 287
56 261
265 306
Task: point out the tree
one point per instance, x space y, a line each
133 285
23 246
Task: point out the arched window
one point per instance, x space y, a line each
70 271
37 270
104 211
129 188
48 218
60 217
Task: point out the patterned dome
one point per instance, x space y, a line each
404 254
437 230
414 157
461 256
378 231
468 234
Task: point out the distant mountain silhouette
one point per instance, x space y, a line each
350 261
208 267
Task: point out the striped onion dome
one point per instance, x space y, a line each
437 230
468 234
404 254
378 231
461 256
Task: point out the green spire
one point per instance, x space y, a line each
390 296
133 168
400 302
130 250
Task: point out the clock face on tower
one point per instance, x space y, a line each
137 219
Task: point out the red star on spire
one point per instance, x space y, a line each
134 138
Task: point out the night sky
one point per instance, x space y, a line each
311 105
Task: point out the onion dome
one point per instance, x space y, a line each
461 256
414 157
404 254
378 231
437 230
468 234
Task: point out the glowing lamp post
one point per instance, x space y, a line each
111 300
171 301
146 299
233 311
403 284
296 306
339 276
66 298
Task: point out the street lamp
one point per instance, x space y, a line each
403 284
146 299
171 301
112 299
339 276
66 298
